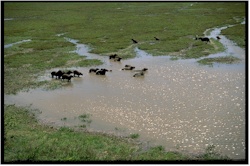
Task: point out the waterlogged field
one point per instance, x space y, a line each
178 105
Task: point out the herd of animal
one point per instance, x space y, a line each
69 74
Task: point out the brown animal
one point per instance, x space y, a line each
138 74
118 59
59 74
113 56
66 76
102 72
128 68
77 73
53 73
93 70
142 70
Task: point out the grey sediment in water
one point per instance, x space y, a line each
177 104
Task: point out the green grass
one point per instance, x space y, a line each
225 59
237 34
27 140
134 136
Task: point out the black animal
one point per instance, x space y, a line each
128 68
206 39
53 73
134 41
77 73
59 74
138 74
66 76
101 72
69 72
93 70
113 56
142 70
156 38
118 59
218 37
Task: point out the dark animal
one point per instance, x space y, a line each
101 72
218 37
118 59
156 38
77 73
112 56
53 73
138 74
59 74
69 72
93 70
128 68
134 41
142 70
206 39
66 76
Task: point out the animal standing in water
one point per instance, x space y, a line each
77 73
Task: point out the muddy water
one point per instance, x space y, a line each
177 104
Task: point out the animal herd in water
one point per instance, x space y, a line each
139 73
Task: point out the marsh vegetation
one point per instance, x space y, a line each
108 29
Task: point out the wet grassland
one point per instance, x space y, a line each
107 28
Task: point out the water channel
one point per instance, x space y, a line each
179 104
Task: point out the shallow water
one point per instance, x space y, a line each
177 104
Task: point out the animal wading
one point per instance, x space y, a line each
102 72
77 73
93 70
66 76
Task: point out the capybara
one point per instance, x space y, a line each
101 72
66 76
59 74
128 68
53 73
93 70
69 72
118 59
138 74
77 73
142 70
112 56
206 39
